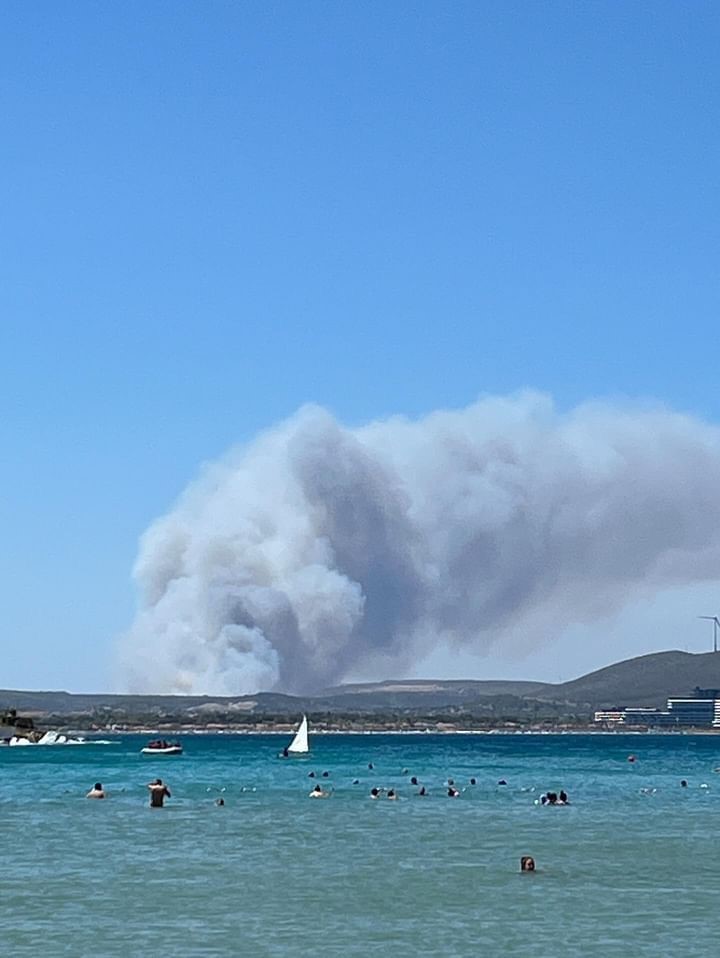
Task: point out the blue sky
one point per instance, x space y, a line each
215 212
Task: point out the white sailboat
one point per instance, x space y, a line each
299 744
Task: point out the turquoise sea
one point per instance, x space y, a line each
631 866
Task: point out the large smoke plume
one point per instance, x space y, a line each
318 548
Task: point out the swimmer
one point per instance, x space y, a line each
356 781
683 784
326 775
374 793
413 780
285 753
564 800
311 774
158 793
502 782
632 758
219 802
473 781
317 792
370 765
405 771
422 791
453 792
391 795
527 863
97 791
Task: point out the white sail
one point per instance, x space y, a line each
300 742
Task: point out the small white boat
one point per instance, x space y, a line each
162 748
299 744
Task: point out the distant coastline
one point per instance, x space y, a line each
410 706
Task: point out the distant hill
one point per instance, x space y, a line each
644 681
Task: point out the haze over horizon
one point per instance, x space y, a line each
255 230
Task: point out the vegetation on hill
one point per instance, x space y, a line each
644 681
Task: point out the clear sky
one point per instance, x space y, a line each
215 212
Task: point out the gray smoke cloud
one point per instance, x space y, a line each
318 548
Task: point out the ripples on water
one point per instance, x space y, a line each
274 874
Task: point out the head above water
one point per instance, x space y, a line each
97 786
527 863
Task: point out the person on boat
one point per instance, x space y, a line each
527 863
317 792
97 791
158 793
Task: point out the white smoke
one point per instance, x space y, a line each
319 548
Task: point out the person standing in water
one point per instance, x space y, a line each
97 791
158 793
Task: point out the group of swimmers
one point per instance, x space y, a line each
552 798
157 788
452 789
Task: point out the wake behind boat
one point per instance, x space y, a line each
161 747
299 744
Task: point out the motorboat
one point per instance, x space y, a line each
161 747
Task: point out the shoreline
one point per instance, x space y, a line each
420 733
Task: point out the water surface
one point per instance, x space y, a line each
630 866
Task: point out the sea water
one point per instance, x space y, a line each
630 866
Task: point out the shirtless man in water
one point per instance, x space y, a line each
158 793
